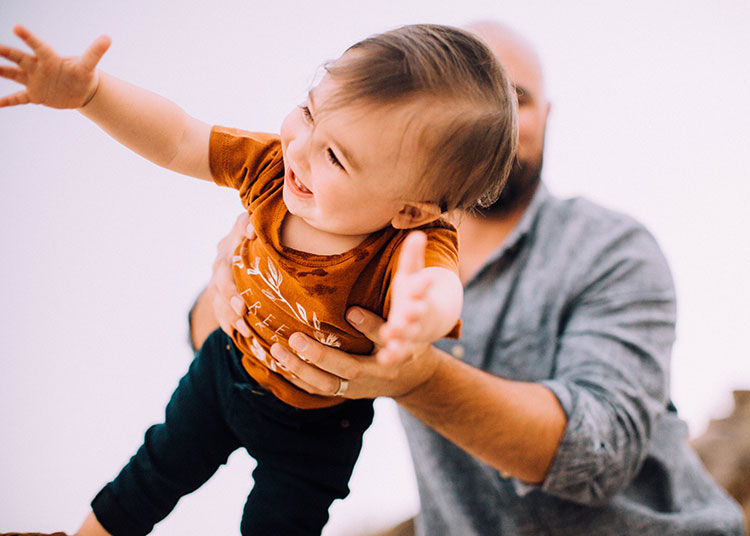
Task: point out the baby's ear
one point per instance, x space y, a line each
415 214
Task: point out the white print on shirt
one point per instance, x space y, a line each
273 279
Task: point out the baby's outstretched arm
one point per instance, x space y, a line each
150 125
425 302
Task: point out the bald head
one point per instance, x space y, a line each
521 61
516 52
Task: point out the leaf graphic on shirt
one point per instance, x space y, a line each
273 281
329 339
272 297
302 313
274 276
254 270
237 261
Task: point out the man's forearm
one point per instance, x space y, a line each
513 426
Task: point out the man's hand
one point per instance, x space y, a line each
229 307
221 305
50 79
318 368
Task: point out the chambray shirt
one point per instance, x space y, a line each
580 299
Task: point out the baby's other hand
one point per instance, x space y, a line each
408 320
50 79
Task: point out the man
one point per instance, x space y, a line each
551 414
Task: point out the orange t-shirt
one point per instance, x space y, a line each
287 290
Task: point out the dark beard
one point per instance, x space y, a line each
518 191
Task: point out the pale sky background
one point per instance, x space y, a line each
103 253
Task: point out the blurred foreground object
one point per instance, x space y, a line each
725 450
406 528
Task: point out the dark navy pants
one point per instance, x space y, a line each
305 457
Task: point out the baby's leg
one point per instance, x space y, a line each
305 459
178 455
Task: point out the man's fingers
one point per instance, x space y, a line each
250 231
225 315
332 361
238 304
22 97
225 321
227 245
241 222
94 53
242 327
222 279
367 323
238 232
302 384
313 379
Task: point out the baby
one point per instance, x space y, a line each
404 127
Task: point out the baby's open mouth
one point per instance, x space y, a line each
301 187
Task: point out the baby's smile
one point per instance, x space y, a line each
297 183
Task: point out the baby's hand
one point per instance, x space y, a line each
51 80
408 324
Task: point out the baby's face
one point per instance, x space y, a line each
349 170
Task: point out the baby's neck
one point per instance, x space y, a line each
297 234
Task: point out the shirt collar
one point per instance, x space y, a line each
524 225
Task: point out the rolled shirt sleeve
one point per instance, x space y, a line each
612 364
579 299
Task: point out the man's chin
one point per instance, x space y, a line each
522 182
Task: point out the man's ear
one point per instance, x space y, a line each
415 214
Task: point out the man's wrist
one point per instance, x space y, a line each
427 364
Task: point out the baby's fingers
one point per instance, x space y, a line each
414 312
406 327
394 352
417 287
35 44
12 54
13 73
16 99
94 53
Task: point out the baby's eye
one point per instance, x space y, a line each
306 113
332 158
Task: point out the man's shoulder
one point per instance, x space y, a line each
585 212
588 236
581 221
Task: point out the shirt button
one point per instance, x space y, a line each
458 351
